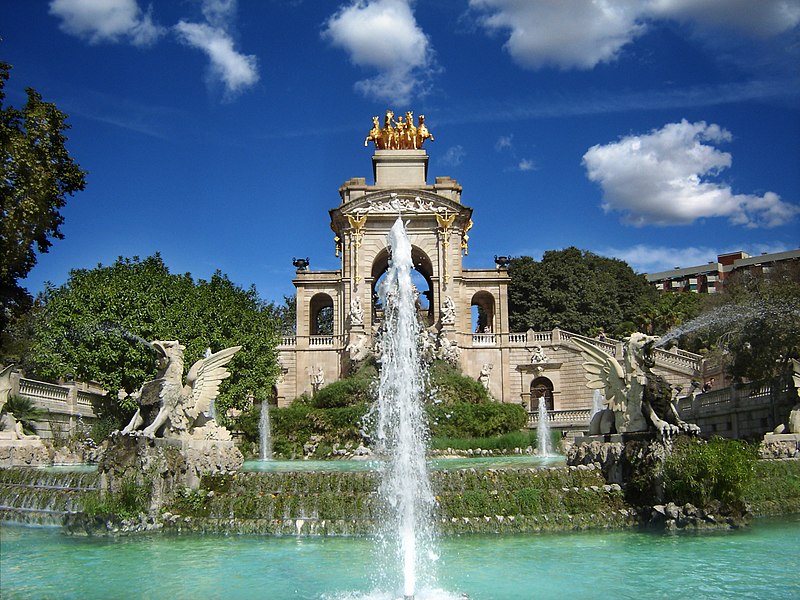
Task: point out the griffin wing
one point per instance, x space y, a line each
602 371
204 377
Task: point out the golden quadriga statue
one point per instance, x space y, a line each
398 134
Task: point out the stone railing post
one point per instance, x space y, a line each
72 404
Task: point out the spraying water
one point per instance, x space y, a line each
598 401
545 442
265 433
407 538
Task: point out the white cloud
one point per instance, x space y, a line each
565 34
107 21
454 156
581 34
504 142
526 164
384 35
235 70
653 259
766 18
666 177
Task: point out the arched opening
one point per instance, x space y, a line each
483 313
321 315
541 386
420 277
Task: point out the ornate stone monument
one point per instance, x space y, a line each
173 440
638 399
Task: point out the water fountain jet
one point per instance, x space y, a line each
401 429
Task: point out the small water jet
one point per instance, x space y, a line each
598 401
264 433
545 442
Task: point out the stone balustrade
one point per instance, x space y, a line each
562 419
744 411
64 403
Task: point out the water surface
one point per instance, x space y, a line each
761 562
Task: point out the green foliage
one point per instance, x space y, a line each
753 326
574 290
775 487
700 472
468 420
506 441
36 175
95 326
294 425
668 310
131 499
25 412
449 386
356 389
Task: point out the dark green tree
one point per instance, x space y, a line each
37 176
668 310
575 290
95 326
753 326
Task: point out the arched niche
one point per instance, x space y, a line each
542 386
483 312
422 278
320 315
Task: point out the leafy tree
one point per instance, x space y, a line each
25 412
575 290
37 175
668 310
95 326
754 324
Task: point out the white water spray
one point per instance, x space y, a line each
264 433
407 536
598 402
545 442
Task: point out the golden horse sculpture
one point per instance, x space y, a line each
398 134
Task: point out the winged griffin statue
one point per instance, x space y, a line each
180 408
637 398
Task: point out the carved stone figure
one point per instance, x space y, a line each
181 408
356 312
358 347
448 311
483 377
538 356
639 399
317 379
448 350
794 414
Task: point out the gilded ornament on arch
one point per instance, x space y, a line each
398 134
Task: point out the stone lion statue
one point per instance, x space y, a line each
170 408
637 398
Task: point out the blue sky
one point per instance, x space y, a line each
217 132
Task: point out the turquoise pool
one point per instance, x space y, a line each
761 562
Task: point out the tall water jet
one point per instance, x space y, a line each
264 433
402 433
545 443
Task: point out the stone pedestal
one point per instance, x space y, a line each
780 445
24 452
623 459
165 464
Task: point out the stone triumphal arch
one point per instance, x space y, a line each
465 310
